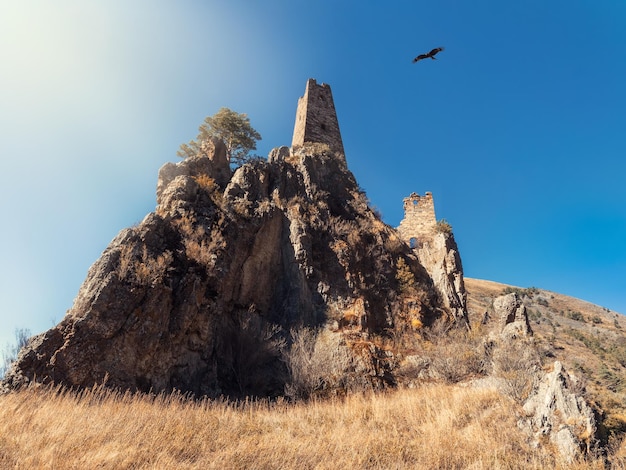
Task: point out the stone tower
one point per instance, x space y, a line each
437 250
316 118
419 218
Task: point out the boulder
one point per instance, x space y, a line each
278 154
211 162
511 317
557 411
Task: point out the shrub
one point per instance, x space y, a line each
376 211
534 315
10 352
405 277
206 182
243 207
200 252
543 302
531 291
576 316
528 292
455 354
516 364
316 148
256 353
317 362
443 226
140 266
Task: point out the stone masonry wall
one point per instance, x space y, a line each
316 118
419 217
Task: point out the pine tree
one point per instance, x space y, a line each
233 129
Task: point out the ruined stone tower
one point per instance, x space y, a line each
316 118
437 250
419 218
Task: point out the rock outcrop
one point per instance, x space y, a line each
556 411
434 244
439 254
204 295
511 317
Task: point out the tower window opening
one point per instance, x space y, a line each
413 243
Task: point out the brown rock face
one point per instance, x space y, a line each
203 295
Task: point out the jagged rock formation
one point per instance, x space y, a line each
440 256
553 403
511 317
437 251
556 410
203 295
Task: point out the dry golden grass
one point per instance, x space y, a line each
433 426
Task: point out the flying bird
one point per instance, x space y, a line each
431 54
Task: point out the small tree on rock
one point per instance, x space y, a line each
233 128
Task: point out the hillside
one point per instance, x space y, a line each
461 426
589 340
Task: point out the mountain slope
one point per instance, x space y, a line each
589 340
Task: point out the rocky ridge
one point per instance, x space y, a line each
206 293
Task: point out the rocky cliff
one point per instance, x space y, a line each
439 254
208 292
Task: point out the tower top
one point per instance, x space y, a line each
419 217
316 118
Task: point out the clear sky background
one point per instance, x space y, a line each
518 129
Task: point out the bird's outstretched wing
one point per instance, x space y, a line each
420 57
435 51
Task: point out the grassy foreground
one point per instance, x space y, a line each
433 426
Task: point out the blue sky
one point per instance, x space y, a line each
518 129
